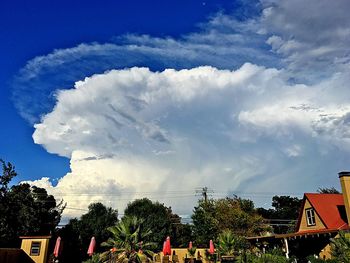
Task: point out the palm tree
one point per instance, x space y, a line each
341 247
230 244
126 243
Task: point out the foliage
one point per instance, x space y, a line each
126 243
266 258
326 190
205 224
73 249
8 172
235 214
340 247
312 259
231 244
25 209
285 208
192 251
78 232
161 221
94 259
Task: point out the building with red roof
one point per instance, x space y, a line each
321 217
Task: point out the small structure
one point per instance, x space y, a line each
321 217
36 247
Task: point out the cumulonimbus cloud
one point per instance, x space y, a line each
145 116
138 131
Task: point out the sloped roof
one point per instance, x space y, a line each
328 207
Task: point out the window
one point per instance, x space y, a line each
35 248
310 217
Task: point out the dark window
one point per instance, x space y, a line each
310 217
35 248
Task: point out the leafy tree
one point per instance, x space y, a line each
340 247
25 209
161 221
94 259
78 232
326 190
127 242
284 208
235 214
205 223
266 258
8 172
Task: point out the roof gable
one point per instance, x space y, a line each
328 207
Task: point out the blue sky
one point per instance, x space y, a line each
113 101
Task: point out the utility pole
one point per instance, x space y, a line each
204 192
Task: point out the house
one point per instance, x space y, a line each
321 217
36 247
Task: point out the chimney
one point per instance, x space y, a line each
345 187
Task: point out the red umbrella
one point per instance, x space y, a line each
190 245
91 246
164 248
167 246
211 247
56 251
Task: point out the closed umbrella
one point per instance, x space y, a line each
167 246
91 246
56 251
164 248
211 247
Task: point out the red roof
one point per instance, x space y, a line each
328 207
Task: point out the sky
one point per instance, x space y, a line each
116 100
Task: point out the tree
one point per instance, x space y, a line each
236 214
8 172
77 234
231 244
127 242
326 190
161 221
25 209
205 223
340 247
284 213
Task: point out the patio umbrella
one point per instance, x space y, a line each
167 246
211 247
164 248
190 245
56 251
91 246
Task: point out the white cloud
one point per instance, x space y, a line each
310 35
139 132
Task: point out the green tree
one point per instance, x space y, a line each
93 223
340 247
8 172
161 221
230 244
286 209
326 190
235 214
25 209
127 242
266 258
205 223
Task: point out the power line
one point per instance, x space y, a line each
204 192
